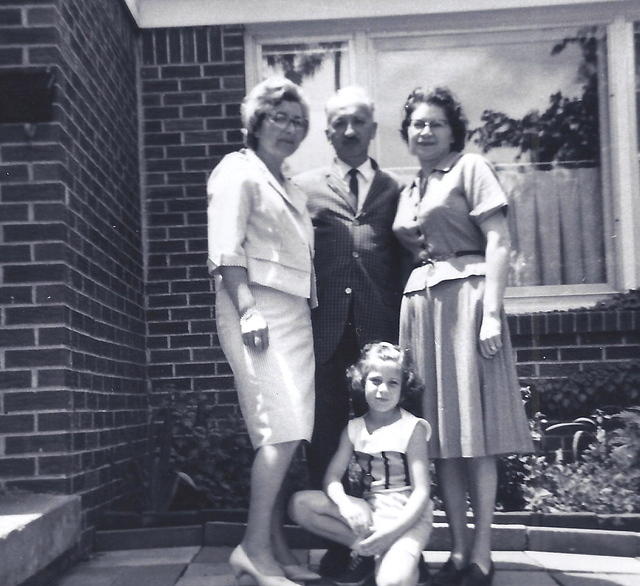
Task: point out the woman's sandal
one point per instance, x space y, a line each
244 570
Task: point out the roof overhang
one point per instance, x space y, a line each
174 13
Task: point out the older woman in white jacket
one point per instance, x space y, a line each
260 254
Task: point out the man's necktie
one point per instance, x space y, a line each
353 188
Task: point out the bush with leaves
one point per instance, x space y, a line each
615 385
605 480
627 301
214 451
211 453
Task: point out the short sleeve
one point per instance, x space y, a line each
230 200
482 188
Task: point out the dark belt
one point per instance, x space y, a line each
456 254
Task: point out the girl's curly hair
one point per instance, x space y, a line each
411 386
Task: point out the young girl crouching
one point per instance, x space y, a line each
387 446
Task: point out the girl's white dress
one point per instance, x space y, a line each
380 465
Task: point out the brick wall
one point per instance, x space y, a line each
193 81
192 84
557 344
74 360
72 324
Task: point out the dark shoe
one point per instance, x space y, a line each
449 575
424 578
358 572
474 576
335 561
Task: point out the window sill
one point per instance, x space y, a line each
544 298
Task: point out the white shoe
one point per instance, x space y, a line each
299 573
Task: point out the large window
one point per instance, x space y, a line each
546 104
535 106
320 68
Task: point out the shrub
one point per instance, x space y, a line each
209 455
606 479
628 301
215 452
615 385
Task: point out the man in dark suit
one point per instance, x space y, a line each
358 265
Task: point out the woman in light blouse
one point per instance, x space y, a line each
452 219
260 254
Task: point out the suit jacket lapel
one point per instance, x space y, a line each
378 186
295 197
338 186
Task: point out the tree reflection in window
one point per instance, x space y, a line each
297 62
321 69
555 187
568 131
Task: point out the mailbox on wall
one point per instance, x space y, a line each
26 95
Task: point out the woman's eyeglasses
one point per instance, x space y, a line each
282 120
432 124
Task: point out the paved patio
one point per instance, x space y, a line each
207 566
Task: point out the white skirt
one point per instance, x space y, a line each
387 506
275 386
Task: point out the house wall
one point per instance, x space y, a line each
192 85
72 325
557 344
193 81
103 306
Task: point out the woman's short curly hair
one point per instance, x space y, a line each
262 99
411 385
443 98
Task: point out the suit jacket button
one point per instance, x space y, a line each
348 291
355 254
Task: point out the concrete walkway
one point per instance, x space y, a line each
207 566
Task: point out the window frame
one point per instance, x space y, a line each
621 191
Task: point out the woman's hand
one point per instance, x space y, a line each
254 329
490 336
357 513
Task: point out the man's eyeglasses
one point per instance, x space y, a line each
432 124
282 120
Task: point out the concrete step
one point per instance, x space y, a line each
35 529
505 537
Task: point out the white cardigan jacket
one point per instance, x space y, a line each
256 223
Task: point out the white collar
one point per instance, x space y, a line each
366 169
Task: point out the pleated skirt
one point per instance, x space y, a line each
275 386
473 403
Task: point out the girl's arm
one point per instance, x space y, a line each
497 250
355 511
418 460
